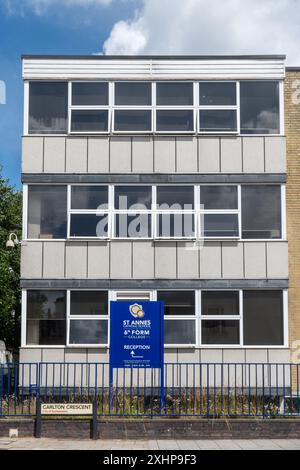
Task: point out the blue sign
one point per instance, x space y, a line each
136 334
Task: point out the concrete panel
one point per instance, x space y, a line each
211 355
31 259
121 260
255 260
232 260
143 259
256 355
189 355
98 155
165 260
76 155
209 154
53 355
231 155
120 154
277 259
76 260
279 355
142 154
275 154
171 355
164 155
32 154
234 355
54 260
253 155
98 355
210 260
30 355
98 260
75 355
188 261
186 155
54 154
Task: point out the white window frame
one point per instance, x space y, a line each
70 317
72 108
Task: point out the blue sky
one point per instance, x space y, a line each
27 32
132 27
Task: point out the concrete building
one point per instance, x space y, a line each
205 133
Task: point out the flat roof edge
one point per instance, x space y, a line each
156 57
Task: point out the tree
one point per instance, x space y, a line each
10 221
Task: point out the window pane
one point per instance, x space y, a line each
217 94
261 211
133 226
132 94
88 332
89 121
220 303
46 317
174 94
178 302
179 332
88 225
175 197
263 318
132 120
48 107
213 120
259 107
221 225
90 94
176 225
220 331
133 197
89 303
47 211
174 121
218 197
89 197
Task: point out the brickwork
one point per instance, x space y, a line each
292 126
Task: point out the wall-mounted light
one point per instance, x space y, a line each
12 241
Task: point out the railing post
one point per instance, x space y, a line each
38 420
94 420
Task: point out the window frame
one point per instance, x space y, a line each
152 295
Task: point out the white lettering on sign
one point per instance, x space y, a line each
67 408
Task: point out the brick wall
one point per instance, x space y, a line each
292 129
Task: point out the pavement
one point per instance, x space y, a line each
118 444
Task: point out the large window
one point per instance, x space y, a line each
261 211
259 107
48 108
47 211
159 212
46 317
208 318
88 318
166 107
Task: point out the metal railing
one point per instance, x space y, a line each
191 389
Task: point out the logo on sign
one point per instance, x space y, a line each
136 311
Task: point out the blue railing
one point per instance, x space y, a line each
191 389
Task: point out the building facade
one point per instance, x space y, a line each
156 178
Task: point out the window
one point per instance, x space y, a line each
218 107
88 214
220 323
170 95
261 211
88 318
179 324
47 211
89 107
259 104
175 217
134 95
132 217
46 317
263 318
48 107
219 211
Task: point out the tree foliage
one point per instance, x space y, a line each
10 221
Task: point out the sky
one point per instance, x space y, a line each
131 27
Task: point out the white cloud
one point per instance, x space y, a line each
210 27
40 7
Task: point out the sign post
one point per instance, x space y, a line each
137 337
